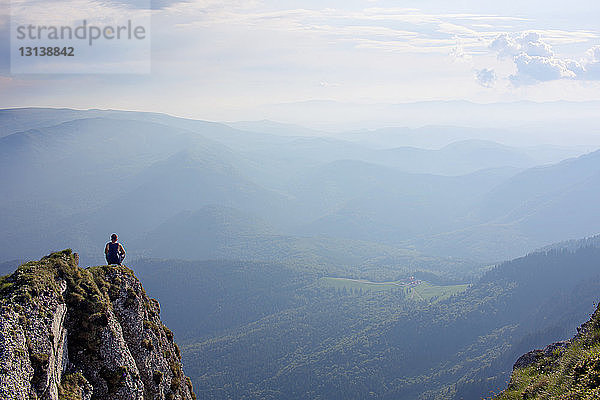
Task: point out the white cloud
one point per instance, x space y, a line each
529 43
594 54
505 46
592 64
247 52
396 31
486 77
533 69
576 67
458 52
58 12
532 44
325 84
555 37
421 32
536 61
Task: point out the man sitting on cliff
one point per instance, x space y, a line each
114 251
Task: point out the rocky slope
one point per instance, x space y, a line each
568 370
73 333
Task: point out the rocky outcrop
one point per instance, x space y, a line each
553 349
563 370
534 356
73 333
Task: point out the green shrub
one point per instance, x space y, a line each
114 379
71 386
147 344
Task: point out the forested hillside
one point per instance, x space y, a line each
565 370
275 331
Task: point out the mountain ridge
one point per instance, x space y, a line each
133 172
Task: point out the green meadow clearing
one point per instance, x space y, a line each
422 291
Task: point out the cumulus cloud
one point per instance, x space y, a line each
528 42
577 68
505 46
594 54
592 64
486 77
533 69
536 61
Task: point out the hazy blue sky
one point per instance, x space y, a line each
225 60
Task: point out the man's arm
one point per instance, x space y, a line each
121 249
106 249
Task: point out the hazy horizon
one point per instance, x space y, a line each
523 123
265 60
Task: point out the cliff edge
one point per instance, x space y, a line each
73 333
568 370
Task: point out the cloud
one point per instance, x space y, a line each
389 29
536 61
486 77
141 4
325 84
592 64
505 46
458 52
533 69
556 37
60 12
528 42
594 54
532 44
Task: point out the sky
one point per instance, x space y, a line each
241 60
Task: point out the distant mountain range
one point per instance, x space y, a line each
72 177
540 205
518 123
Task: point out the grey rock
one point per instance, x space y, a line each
93 332
534 356
16 371
528 358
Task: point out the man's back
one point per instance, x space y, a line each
115 253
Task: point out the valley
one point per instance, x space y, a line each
296 267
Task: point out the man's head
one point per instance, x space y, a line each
113 237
